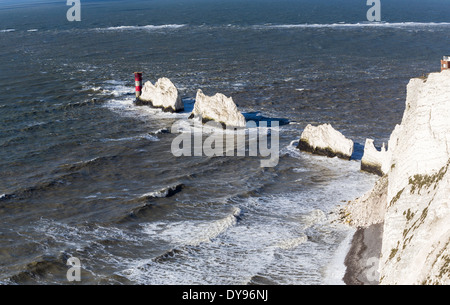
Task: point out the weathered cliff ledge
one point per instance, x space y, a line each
326 141
218 108
163 94
412 199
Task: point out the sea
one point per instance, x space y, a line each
87 174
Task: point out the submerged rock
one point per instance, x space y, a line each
162 95
326 141
217 108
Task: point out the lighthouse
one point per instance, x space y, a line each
138 83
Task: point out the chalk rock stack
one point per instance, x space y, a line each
163 94
326 141
217 108
374 161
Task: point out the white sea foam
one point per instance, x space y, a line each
314 217
6 282
7 30
291 150
220 246
291 243
81 236
149 27
191 233
335 270
269 248
162 130
83 162
156 194
117 88
32 30
148 137
125 106
300 170
355 25
194 126
160 193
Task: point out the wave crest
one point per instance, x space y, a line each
292 243
149 27
188 233
165 192
354 25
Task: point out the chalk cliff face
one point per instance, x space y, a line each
217 108
163 94
414 194
325 140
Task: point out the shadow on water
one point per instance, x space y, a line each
258 119
358 151
188 104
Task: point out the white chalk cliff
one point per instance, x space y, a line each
163 94
217 108
325 140
413 197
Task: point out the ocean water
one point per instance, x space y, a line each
85 173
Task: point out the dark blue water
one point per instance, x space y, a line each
81 167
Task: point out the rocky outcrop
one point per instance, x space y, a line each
326 141
217 108
370 208
379 162
374 161
163 94
414 193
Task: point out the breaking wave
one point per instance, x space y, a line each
148 137
92 163
149 27
165 192
291 243
354 25
191 233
